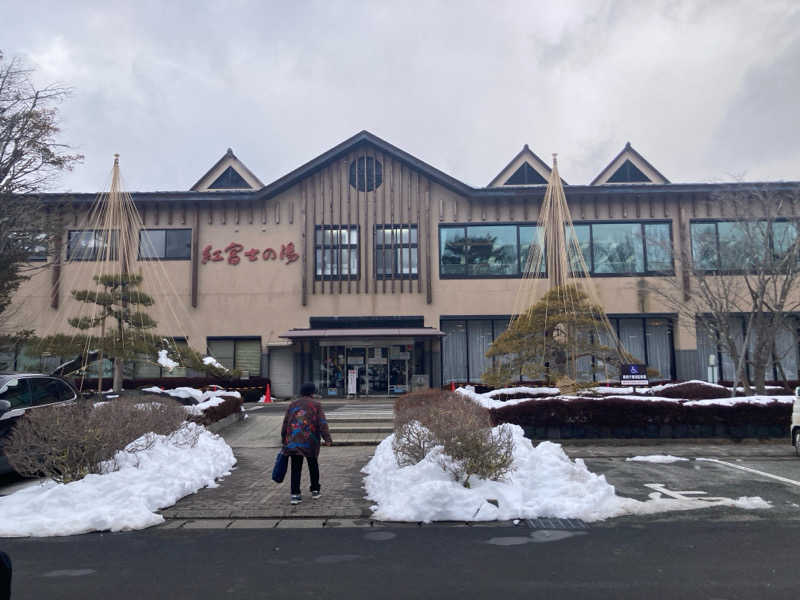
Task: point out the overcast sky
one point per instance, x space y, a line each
706 91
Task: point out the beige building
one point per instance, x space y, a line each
369 271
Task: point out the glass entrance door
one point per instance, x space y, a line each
378 370
399 356
356 371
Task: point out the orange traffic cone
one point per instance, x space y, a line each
452 386
267 395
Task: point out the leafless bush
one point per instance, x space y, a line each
472 447
68 442
412 442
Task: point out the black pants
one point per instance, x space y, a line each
297 469
5 576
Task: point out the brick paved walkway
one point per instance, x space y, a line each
249 491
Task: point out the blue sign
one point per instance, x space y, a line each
634 375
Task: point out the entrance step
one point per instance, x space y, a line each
339 428
358 439
361 424
333 419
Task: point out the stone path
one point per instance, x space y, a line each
249 492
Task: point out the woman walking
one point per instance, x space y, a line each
303 425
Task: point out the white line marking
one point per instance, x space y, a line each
749 470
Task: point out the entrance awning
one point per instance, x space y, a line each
406 332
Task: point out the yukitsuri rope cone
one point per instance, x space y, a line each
100 263
566 285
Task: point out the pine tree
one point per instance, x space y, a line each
123 326
125 331
548 341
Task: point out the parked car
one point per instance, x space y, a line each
21 392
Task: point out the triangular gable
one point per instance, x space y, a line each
227 174
524 169
629 167
230 180
366 144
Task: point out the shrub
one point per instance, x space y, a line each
68 442
434 418
412 442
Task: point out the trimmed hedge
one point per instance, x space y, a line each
518 395
229 406
698 390
625 418
251 389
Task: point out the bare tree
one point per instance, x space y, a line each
30 159
737 279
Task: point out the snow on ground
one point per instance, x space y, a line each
656 458
545 483
199 396
165 361
125 499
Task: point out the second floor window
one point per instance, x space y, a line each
486 250
396 251
92 244
166 244
336 254
736 246
624 248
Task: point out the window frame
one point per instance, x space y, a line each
113 252
235 339
465 319
319 274
164 258
410 247
718 270
518 262
641 222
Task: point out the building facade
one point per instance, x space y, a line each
371 272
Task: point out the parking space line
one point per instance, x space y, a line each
749 470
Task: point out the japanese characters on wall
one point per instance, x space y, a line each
287 254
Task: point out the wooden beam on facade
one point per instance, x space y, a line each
428 225
303 241
196 250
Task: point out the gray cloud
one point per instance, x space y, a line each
703 90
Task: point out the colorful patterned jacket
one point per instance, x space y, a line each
303 425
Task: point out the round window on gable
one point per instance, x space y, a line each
366 173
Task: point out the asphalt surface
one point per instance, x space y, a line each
636 560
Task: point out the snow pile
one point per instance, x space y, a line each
198 409
662 459
544 483
125 499
210 360
165 361
199 396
